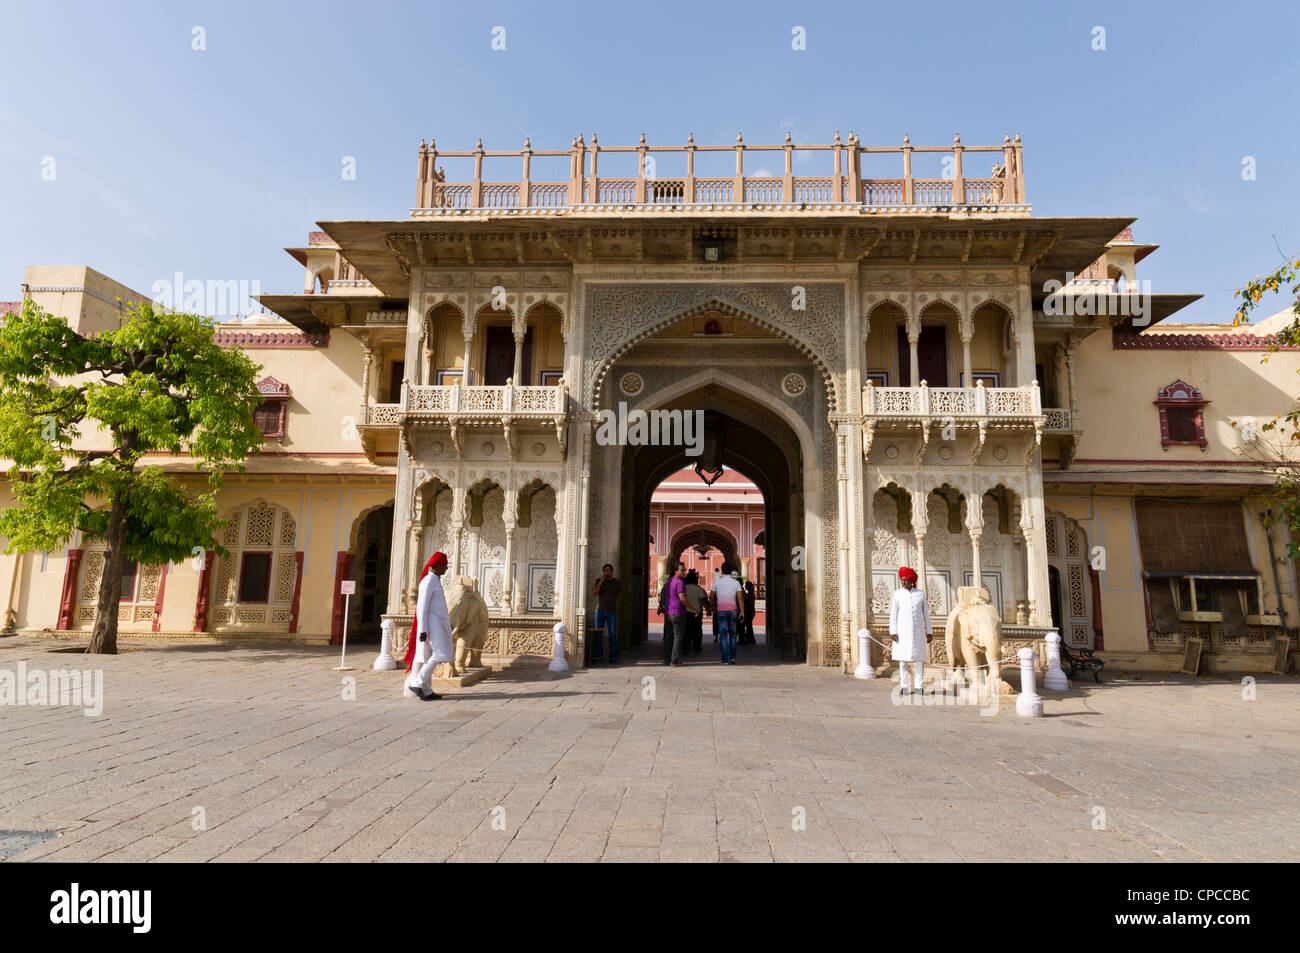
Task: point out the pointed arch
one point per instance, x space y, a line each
716 303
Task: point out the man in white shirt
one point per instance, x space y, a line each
909 627
727 599
434 628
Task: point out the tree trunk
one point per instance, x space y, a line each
103 640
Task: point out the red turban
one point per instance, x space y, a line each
908 574
435 561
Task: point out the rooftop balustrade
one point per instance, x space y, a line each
586 191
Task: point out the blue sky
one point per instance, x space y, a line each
208 162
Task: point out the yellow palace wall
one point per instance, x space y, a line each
318 472
1115 392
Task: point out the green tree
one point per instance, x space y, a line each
157 384
1277 441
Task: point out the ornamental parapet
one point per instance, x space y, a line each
972 412
844 188
507 409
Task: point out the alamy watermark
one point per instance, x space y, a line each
218 298
655 428
37 686
1098 299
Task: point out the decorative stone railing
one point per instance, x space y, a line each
455 400
1058 419
501 408
379 415
958 402
587 191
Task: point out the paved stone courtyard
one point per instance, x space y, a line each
760 761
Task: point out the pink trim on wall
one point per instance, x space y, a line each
297 595
201 600
342 570
1195 341
158 602
285 339
69 596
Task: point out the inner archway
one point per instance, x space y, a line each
761 445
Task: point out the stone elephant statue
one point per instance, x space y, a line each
973 636
469 624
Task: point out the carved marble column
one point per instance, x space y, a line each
1072 346
457 527
913 357
414 565
975 527
367 356
1041 611
920 525
508 584
965 357
842 500
1032 556
519 360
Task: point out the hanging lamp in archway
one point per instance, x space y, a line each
708 467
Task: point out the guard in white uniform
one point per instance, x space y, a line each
433 641
909 627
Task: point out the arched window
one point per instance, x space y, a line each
141 590
255 585
1182 416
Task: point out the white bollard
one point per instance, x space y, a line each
1054 679
864 669
559 663
1029 704
385 662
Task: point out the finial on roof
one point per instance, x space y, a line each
837 137
1006 138
740 140
906 140
642 139
787 136
480 143
1017 139
956 139
690 139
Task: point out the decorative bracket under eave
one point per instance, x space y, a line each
510 437
562 434
923 443
979 442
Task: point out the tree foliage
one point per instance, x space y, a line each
1277 441
78 415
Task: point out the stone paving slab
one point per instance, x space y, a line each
237 753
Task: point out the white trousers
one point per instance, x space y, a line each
422 668
918 669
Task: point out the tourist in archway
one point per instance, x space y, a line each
910 629
747 626
606 592
727 601
695 598
674 621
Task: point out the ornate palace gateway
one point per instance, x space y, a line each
903 366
